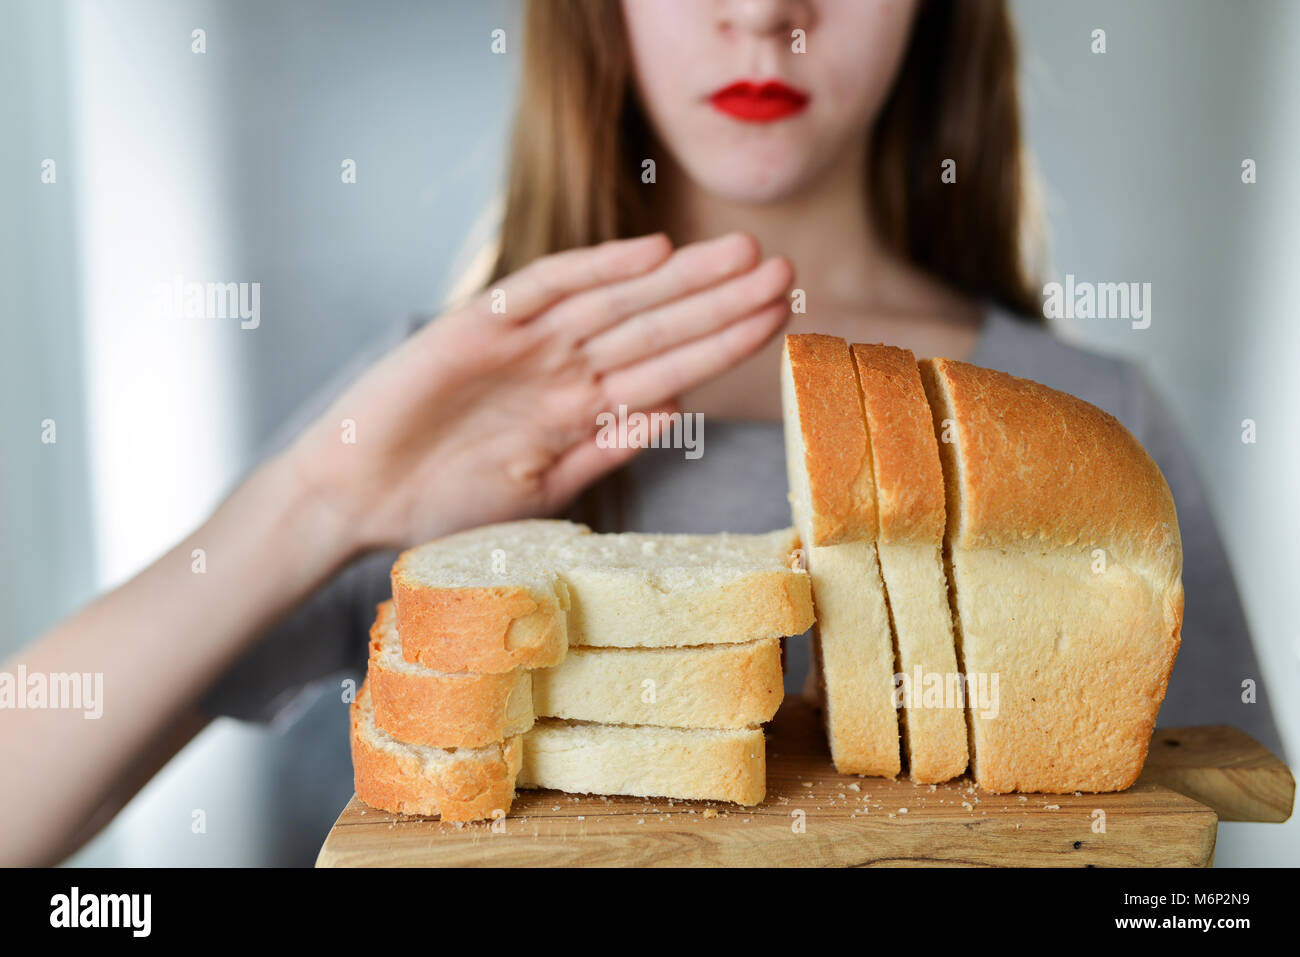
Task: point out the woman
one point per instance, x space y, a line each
873 146
840 165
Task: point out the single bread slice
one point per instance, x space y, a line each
639 590
485 600
832 498
1066 561
461 784
910 503
709 686
516 595
422 706
647 762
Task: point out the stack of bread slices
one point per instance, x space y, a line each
995 568
536 654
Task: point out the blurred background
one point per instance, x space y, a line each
226 166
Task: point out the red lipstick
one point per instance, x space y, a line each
759 102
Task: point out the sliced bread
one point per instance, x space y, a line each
640 590
738 685
467 784
833 500
443 710
689 764
910 505
485 600
517 594
1065 558
457 784
735 685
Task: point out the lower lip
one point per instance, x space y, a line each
760 105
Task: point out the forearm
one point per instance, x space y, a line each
157 641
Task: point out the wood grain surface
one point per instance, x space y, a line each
1224 769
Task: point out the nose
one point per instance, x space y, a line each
765 17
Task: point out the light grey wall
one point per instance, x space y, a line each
44 498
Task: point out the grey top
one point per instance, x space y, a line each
739 485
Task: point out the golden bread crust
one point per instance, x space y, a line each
436 709
904 453
470 787
837 455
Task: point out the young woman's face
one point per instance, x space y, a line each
746 114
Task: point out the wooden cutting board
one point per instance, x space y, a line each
813 816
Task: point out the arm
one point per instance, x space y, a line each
486 414
157 640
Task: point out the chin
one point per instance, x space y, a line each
747 178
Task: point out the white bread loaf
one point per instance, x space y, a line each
910 507
516 595
1066 562
735 685
833 500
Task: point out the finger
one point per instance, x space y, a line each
658 330
690 269
589 459
683 368
547 280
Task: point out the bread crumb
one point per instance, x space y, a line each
902 810
1021 797
710 812
855 786
806 784
1052 807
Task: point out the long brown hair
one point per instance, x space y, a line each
579 136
